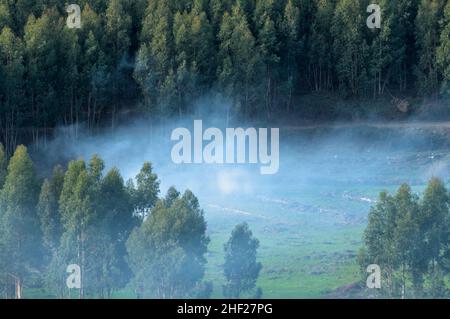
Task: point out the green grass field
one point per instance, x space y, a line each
306 252
310 218
310 234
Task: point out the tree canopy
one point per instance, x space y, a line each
158 58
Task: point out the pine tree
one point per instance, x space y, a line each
117 37
443 51
217 8
147 79
438 289
20 11
240 268
290 27
248 7
433 221
11 87
115 205
116 221
77 208
403 43
3 166
171 196
52 231
50 82
407 238
19 223
427 37
48 210
5 16
379 240
147 189
268 46
118 25
154 70
94 77
166 253
381 49
203 55
349 47
239 60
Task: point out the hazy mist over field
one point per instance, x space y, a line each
327 154
341 108
315 207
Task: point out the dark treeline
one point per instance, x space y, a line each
409 238
121 235
155 57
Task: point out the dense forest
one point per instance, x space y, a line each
156 58
270 60
122 236
130 242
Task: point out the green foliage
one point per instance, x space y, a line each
158 58
85 217
427 35
320 49
48 209
146 192
237 74
52 231
350 48
408 239
443 53
166 253
118 24
241 268
11 86
3 165
97 213
5 16
19 223
117 220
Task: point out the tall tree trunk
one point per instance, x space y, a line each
19 286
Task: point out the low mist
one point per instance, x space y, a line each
355 160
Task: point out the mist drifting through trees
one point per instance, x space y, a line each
94 186
119 234
290 58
